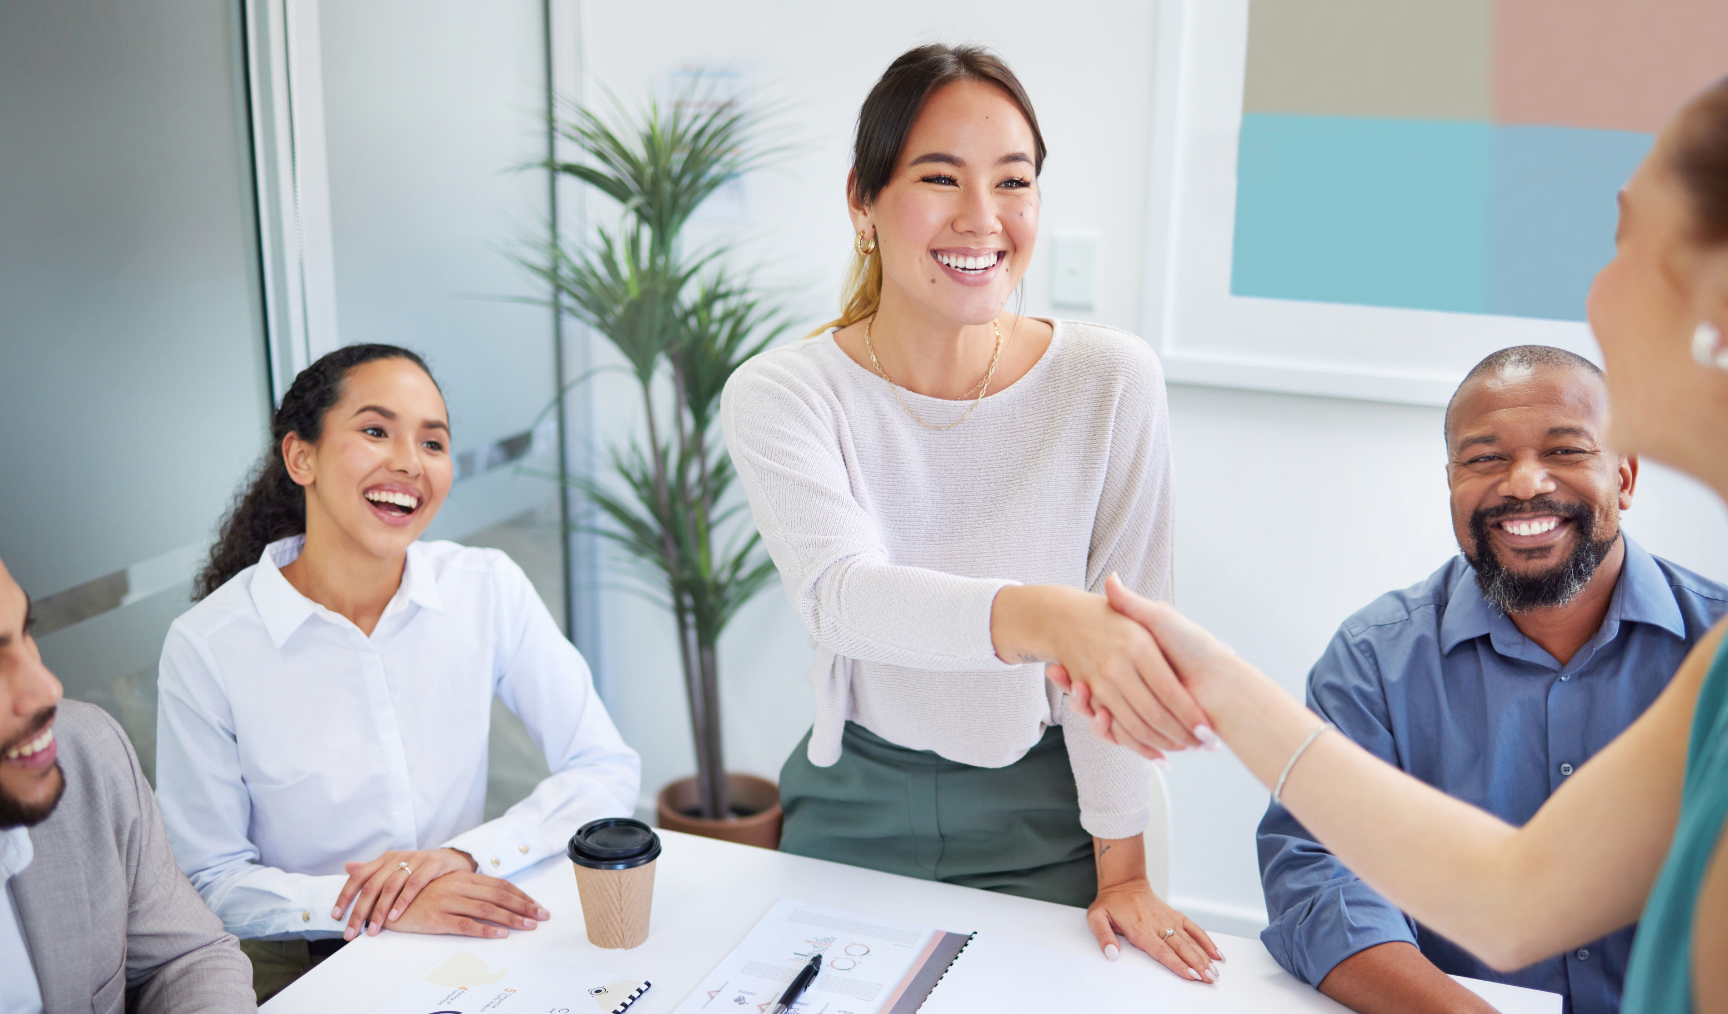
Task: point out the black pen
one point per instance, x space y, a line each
805 977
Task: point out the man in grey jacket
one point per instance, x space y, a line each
95 915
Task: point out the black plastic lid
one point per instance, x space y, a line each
614 843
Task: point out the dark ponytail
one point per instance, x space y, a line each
272 505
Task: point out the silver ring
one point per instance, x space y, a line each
405 868
1168 934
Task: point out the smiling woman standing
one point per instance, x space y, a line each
323 711
946 487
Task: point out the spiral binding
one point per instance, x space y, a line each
633 997
938 983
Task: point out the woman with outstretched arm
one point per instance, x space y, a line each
1637 833
943 485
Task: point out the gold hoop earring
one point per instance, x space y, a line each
865 247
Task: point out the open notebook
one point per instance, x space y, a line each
874 965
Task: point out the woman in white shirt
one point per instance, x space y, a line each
324 709
946 488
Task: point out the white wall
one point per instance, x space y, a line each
1292 512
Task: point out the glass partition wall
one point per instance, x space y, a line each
133 388
161 269
432 108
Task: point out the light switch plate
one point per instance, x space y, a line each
1074 269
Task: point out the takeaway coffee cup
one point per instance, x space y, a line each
614 859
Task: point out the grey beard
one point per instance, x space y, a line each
1522 593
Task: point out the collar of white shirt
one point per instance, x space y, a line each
284 609
15 852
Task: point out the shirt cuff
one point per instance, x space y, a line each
308 915
499 849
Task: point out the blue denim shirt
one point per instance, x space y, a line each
1442 684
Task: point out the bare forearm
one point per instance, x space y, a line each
1119 859
1395 978
1023 620
1440 859
1511 896
1581 867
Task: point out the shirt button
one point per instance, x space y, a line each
494 860
306 916
1565 677
522 849
1582 954
1566 769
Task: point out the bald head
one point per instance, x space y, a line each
1536 490
1521 362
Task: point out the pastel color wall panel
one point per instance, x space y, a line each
1554 215
1382 212
1607 64
1416 59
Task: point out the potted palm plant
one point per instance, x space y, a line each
682 322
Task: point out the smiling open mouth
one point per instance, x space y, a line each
391 502
970 265
1530 526
43 741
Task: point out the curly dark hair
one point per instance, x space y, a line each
271 505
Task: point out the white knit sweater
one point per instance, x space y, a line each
893 539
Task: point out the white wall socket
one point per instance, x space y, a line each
1074 269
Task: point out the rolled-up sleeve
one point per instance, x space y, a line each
1320 912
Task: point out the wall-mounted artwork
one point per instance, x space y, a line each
1364 197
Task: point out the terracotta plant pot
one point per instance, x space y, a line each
755 803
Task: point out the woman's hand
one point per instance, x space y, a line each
1196 659
469 904
1126 905
1097 646
385 889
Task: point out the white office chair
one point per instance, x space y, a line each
1158 839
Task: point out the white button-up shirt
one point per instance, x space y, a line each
289 743
19 991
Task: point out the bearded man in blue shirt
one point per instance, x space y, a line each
1492 680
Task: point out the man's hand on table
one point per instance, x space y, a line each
469 904
1395 978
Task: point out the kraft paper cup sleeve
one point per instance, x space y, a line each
614 860
616 904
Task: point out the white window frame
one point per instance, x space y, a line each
285 87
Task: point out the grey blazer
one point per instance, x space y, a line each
111 923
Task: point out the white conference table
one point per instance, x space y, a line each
707 895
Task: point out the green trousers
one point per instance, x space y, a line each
277 963
1014 829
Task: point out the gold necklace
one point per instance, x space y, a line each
982 387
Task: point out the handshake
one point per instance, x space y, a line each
1148 678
